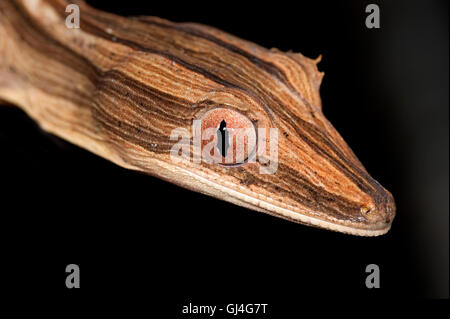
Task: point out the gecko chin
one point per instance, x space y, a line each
368 222
371 216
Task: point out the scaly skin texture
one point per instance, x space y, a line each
119 86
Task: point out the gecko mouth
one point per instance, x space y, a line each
369 229
376 222
293 214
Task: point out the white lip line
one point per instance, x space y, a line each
288 213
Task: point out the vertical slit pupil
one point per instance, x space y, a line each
222 138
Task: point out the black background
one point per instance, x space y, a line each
386 92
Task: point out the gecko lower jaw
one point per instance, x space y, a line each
379 226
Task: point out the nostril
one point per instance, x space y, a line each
367 211
372 214
381 211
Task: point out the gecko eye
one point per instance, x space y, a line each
228 137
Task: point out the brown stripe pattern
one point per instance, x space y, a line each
119 86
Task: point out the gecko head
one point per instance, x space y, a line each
273 150
261 143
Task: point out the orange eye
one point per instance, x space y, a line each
228 137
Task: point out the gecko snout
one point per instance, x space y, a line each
382 212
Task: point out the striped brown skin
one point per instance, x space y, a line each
119 86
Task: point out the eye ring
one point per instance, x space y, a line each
237 133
